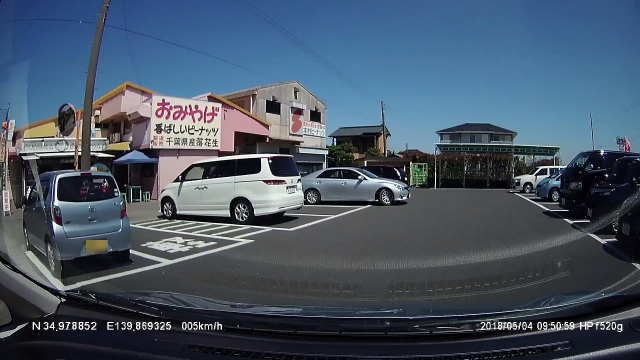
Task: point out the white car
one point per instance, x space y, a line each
526 183
239 186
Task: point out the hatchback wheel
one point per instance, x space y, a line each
242 212
27 241
385 197
554 195
53 260
168 209
121 256
312 197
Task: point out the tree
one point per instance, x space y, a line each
341 155
373 152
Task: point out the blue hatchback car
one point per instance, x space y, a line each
75 214
549 188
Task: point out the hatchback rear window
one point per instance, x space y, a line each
86 188
283 166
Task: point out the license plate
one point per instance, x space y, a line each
96 246
291 189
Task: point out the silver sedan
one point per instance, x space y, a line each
352 184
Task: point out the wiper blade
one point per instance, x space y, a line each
114 301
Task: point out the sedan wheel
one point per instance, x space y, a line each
385 197
555 195
312 197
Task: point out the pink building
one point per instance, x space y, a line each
125 119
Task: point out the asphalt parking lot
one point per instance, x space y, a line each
445 250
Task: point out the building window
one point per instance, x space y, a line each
295 93
315 116
472 138
494 137
273 107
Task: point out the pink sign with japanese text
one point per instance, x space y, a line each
178 123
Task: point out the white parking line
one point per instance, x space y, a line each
232 230
239 242
337 206
155 222
594 236
148 256
558 210
175 226
327 218
308 214
252 233
196 226
213 228
189 233
44 270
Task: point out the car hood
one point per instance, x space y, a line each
390 181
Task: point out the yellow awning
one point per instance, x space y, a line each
121 146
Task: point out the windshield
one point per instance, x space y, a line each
196 118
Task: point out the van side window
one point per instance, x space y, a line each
248 166
194 173
220 169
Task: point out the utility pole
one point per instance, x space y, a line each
85 155
593 146
384 132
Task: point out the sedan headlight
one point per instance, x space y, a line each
399 187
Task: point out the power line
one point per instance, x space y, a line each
300 44
141 34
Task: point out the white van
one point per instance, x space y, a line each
239 186
528 182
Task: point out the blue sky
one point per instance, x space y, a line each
536 67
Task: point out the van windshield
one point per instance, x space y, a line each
87 188
283 166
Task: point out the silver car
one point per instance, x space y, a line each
79 214
352 184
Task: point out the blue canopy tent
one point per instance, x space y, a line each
134 157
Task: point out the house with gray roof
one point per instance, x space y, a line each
363 138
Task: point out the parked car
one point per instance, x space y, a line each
352 184
614 195
388 172
239 186
528 182
75 214
586 169
549 188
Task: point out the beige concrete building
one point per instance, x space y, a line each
297 118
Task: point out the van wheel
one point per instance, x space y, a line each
527 188
53 260
168 209
554 195
242 212
385 197
312 197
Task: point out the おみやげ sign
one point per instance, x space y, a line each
178 123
